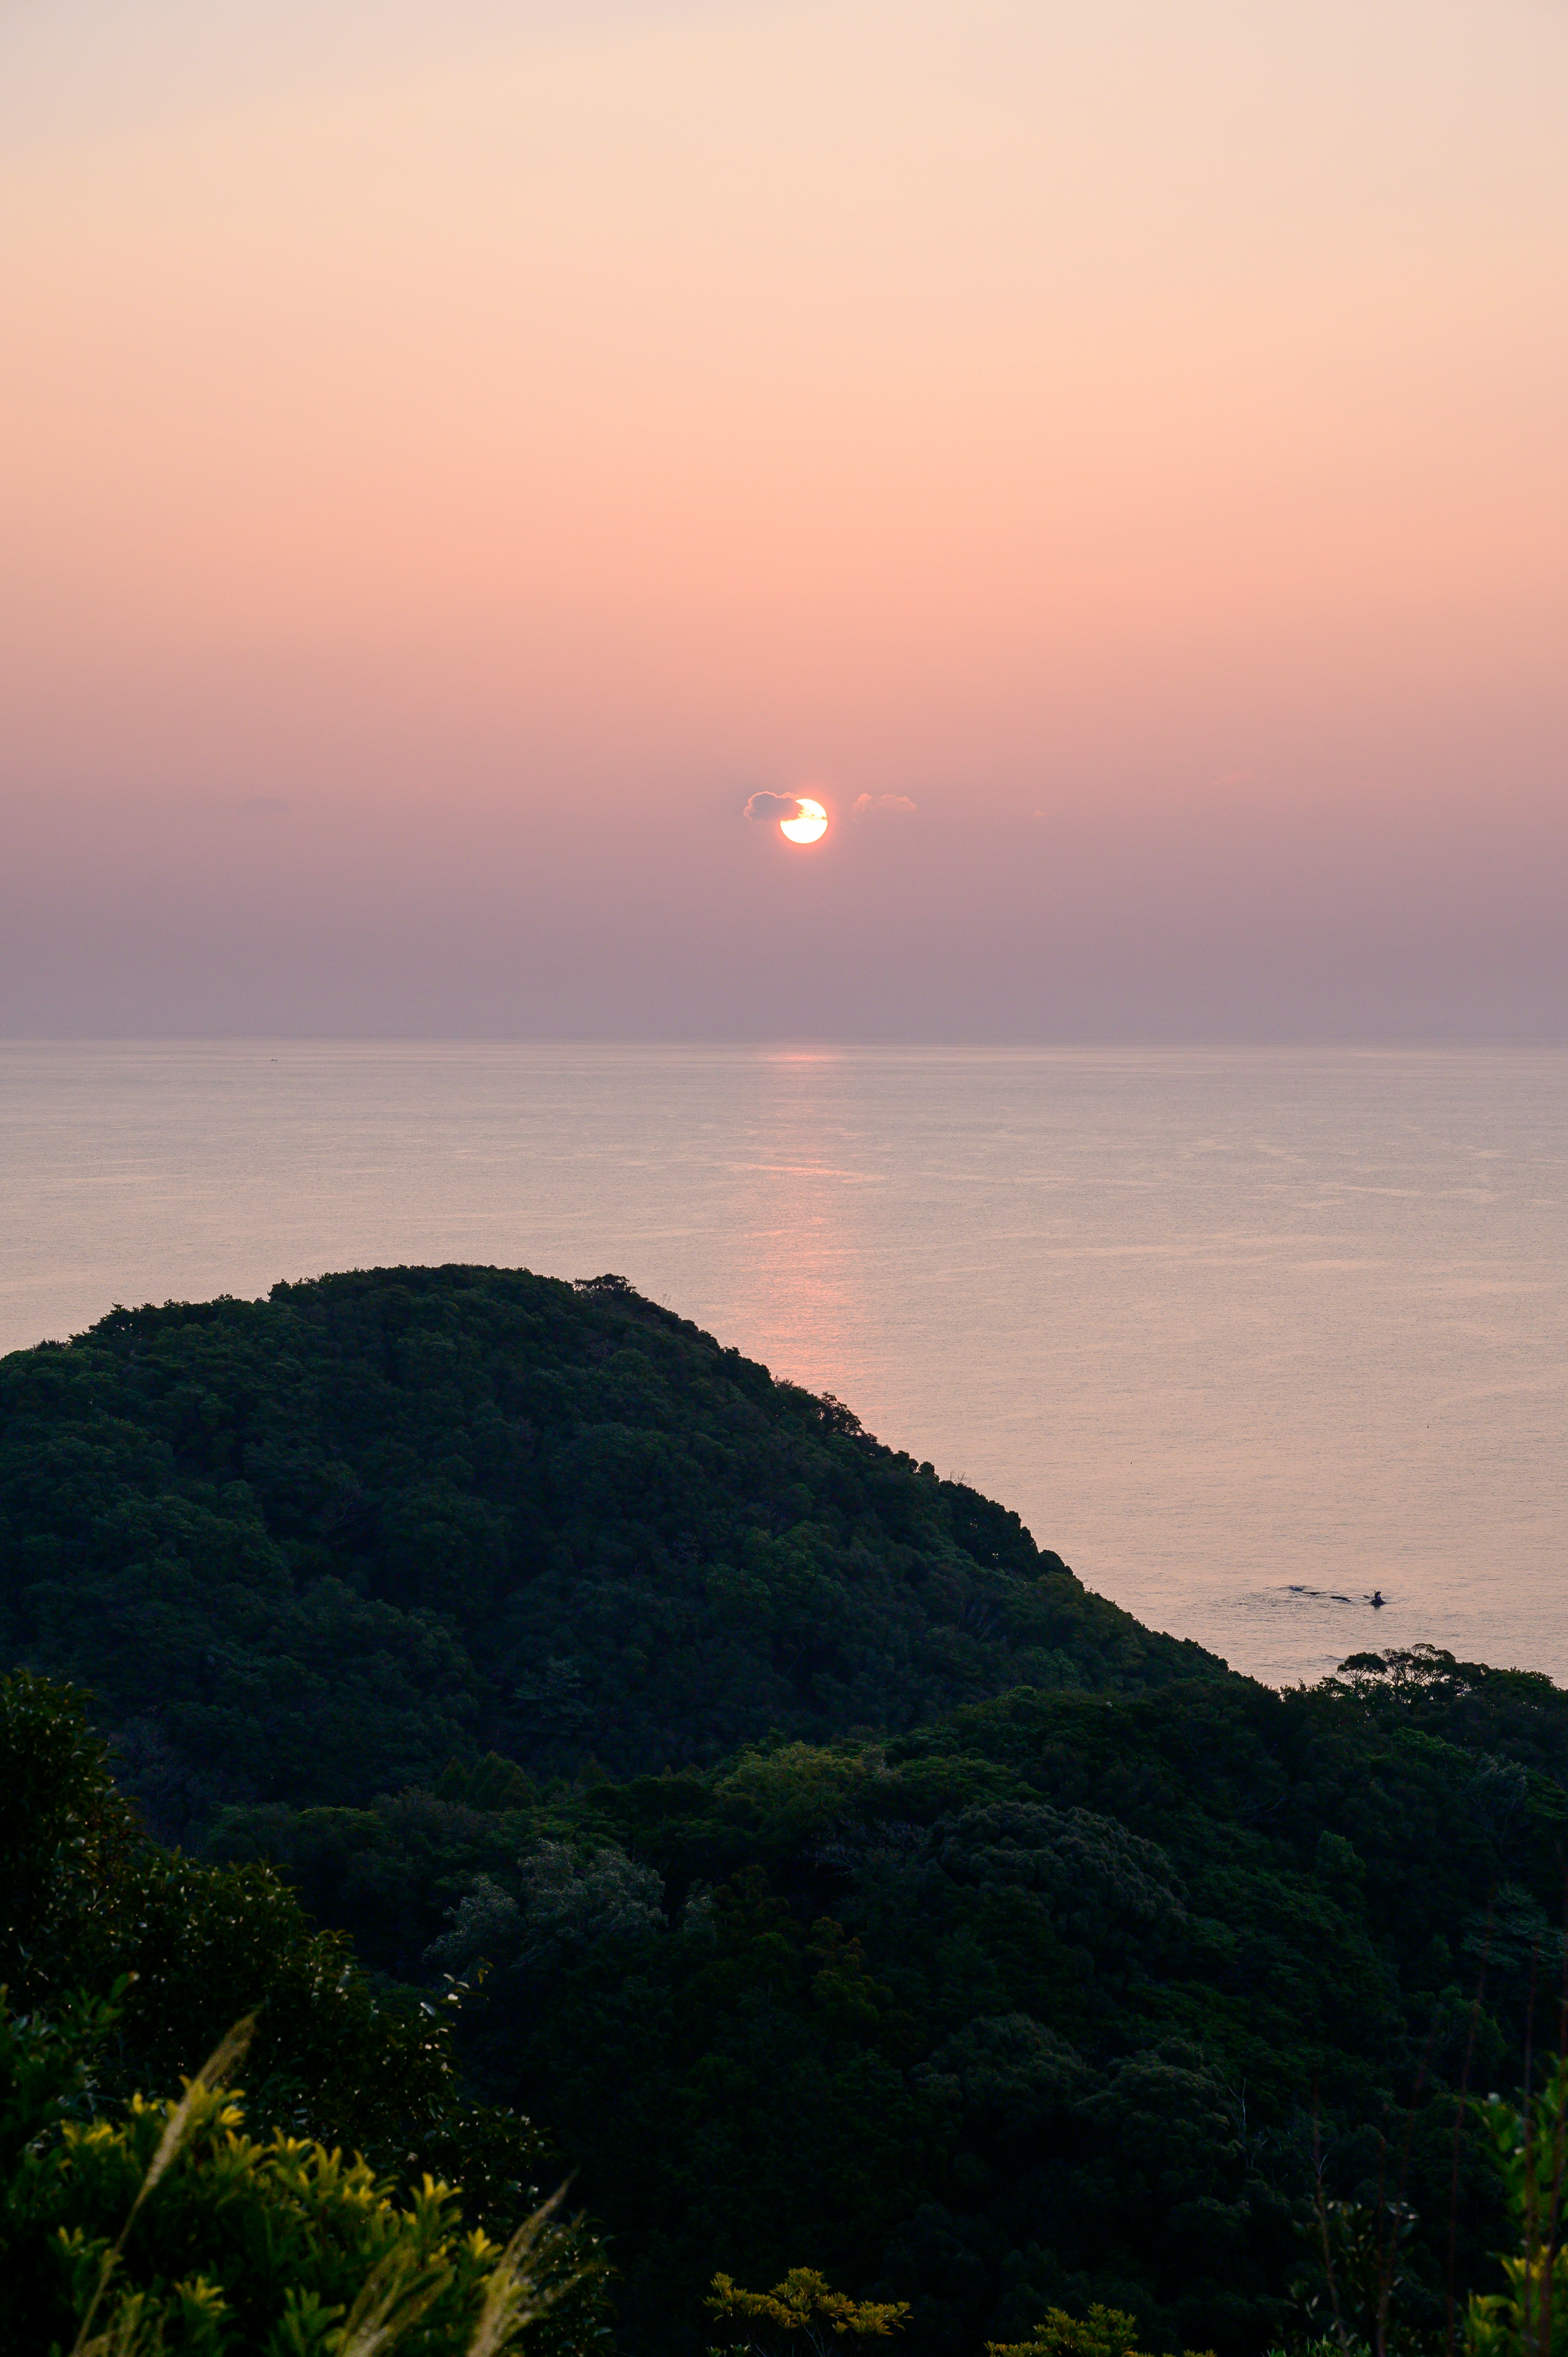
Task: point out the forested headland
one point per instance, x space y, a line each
728 1811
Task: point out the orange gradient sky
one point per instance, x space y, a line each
452 456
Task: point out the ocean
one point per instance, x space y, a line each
1248 1336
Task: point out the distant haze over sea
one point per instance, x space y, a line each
1247 1335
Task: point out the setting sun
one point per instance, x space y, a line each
808 826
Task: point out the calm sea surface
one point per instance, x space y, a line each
1245 1335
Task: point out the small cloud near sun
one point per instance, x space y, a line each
779 807
873 805
263 806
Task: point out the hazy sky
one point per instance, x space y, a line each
455 453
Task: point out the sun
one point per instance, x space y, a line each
808 825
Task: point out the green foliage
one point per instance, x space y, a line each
166 1949
1325 2345
802 2312
319 1547
68 1842
1363 2293
1103 2332
1530 2149
1056 2003
771 1818
167 2227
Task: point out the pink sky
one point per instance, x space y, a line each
454 455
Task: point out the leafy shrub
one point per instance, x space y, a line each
802 2313
125 1963
1530 2149
168 2228
1103 2332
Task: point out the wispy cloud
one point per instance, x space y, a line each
884 805
773 806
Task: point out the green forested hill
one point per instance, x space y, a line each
833 1879
1068 1997
315 1547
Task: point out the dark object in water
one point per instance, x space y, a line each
1376 1600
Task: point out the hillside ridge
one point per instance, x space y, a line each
313 1547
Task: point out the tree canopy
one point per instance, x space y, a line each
124 1968
1067 1999
854 1900
313 1548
